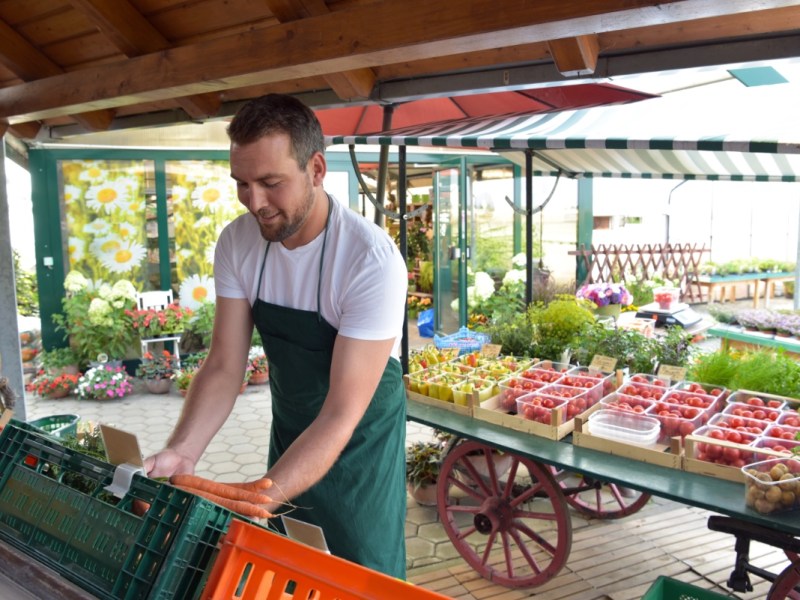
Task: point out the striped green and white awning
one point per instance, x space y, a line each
755 137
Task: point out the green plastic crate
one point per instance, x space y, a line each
58 425
666 588
53 508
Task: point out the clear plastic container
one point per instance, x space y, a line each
784 446
702 388
542 408
739 423
772 485
645 391
515 387
666 297
441 386
789 417
593 386
608 379
463 389
619 401
755 401
661 381
624 427
752 412
677 419
545 375
719 449
580 399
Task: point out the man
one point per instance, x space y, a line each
326 290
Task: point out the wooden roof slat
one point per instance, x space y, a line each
340 41
347 85
134 35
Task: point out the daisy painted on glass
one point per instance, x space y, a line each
603 294
195 290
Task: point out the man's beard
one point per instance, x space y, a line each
293 225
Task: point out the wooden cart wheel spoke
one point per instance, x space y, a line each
598 499
532 535
509 522
787 584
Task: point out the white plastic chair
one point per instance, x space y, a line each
158 300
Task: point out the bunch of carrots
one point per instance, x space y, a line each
245 498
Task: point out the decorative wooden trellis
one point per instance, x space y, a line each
677 262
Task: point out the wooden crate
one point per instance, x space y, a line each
730 473
664 455
491 412
417 397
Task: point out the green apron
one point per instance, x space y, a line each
360 503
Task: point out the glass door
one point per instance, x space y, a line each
449 247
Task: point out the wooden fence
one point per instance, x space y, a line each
676 262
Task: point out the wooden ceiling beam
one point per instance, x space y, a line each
575 56
134 35
347 85
342 41
27 63
26 131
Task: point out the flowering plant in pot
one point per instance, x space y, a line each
49 385
60 360
257 366
104 382
605 294
94 316
153 323
157 371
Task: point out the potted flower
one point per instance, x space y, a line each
52 386
95 318
152 323
608 298
104 382
258 366
423 463
183 379
157 371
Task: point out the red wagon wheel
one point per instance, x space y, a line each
598 499
508 521
786 584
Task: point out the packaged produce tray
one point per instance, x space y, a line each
53 507
423 398
464 340
662 454
255 563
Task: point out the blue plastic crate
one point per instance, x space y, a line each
464 339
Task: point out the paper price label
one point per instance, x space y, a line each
603 363
673 372
491 350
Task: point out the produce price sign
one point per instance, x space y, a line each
603 363
673 372
491 350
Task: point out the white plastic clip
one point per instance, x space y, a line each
123 476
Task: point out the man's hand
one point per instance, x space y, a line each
167 463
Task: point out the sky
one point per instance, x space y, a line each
18 188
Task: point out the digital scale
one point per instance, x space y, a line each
680 314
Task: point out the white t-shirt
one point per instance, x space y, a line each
364 280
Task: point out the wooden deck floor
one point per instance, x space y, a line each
620 559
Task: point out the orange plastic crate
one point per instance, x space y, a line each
256 564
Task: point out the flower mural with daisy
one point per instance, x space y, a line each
103 203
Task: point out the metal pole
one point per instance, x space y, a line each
383 164
529 227
10 355
401 192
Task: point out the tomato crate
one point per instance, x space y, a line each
57 425
53 508
708 451
254 563
666 588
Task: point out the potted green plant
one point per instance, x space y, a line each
95 319
423 463
557 325
60 360
157 371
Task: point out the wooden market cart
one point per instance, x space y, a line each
534 539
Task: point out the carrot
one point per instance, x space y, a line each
247 509
255 486
219 489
